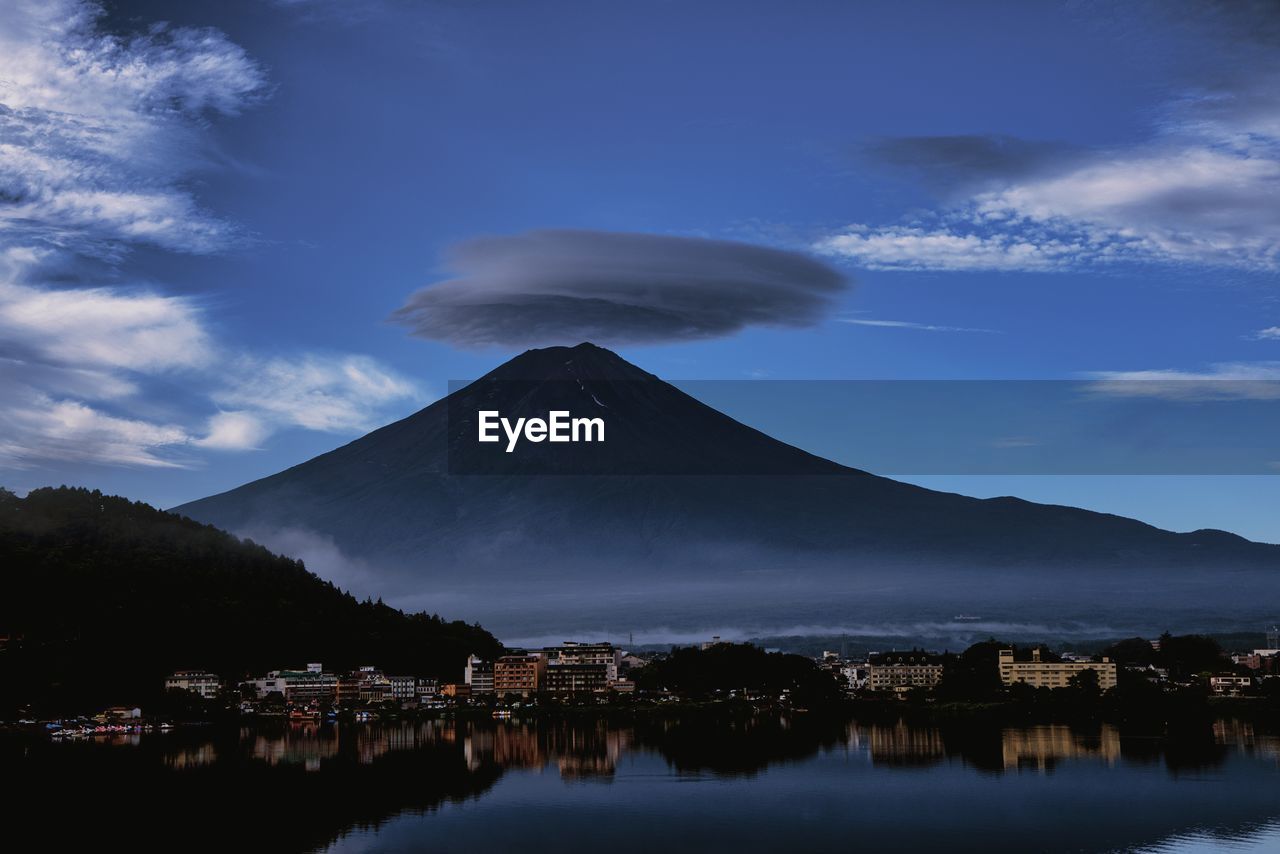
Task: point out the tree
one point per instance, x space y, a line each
1085 686
111 596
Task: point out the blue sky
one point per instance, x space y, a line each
209 213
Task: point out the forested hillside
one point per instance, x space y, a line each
101 597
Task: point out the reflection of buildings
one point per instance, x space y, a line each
1040 747
1241 735
1052 674
310 744
577 751
306 745
901 744
192 757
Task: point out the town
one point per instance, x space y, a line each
581 674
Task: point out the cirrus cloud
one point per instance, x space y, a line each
97 131
1200 189
98 136
1220 381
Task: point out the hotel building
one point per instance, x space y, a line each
1052 674
519 674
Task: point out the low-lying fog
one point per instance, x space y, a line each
738 596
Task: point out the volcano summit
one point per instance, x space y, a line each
690 518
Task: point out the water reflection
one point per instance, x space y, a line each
354 778
1041 747
1243 737
578 750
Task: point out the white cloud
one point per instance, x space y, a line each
97 136
103 327
234 431
1200 189
1222 381
914 248
38 428
907 324
1014 442
97 131
65 384
334 394
1196 205
1271 333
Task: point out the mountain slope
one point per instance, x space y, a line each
675 477
108 596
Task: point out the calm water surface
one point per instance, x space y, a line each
697 783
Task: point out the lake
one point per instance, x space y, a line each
700 781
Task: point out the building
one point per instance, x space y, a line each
902 670
349 689
631 662
265 686
301 687
312 685
374 687
1052 674
403 688
519 674
206 685
855 676
456 691
1229 685
427 689
478 674
567 680
573 652
119 713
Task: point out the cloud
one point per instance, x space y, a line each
967 161
1199 190
1271 333
233 431
1222 381
906 324
75 362
1014 442
97 131
107 328
332 394
35 427
321 555
98 136
618 288
914 248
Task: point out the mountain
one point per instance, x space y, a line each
104 597
679 494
